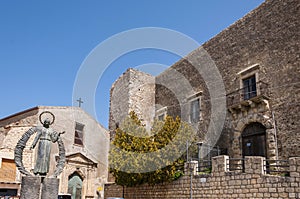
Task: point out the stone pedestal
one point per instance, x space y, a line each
39 188
30 187
50 188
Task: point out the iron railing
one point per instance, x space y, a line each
203 153
236 164
243 94
277 167
204 166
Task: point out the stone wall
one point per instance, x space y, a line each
269 37
221 183
264 43
133 91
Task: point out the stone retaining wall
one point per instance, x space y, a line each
221 183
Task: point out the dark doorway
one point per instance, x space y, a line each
254 140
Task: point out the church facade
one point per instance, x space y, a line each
258 61
86 143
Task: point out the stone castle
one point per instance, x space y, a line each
252 113
258 61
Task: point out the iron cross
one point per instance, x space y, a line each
79 102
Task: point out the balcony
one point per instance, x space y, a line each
248 96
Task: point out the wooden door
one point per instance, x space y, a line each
254 140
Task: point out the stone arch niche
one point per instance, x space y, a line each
244 122
75 185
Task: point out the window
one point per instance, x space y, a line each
78 139
249 87
161 117
161 113
195 110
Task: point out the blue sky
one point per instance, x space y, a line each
43 43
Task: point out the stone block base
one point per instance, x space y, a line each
39 187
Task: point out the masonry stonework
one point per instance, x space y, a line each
265 45
262 47
221 183
131 93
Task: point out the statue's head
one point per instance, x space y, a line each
46 123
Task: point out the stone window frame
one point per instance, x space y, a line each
246 73
79 131
162 112
190 100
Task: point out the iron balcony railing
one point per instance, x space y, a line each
259 89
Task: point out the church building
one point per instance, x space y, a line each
86 144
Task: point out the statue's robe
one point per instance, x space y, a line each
45 136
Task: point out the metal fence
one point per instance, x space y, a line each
236 164
203 153
277 167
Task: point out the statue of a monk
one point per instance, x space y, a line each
45 136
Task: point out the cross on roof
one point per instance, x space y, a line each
79 102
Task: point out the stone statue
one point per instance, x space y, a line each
40 186
45 136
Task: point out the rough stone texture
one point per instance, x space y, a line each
222 183
37 187
220 164
131 93
31 187
255 165
268 38
50 188
90 161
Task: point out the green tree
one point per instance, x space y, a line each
134 151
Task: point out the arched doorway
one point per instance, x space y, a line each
254 140
75 185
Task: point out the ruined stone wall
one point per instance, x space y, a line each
221 183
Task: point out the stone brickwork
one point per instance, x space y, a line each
131 93
268 36
265 44
222 183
